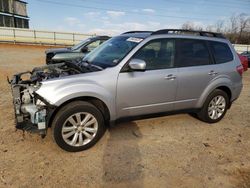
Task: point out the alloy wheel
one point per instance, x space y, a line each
216 107
79 129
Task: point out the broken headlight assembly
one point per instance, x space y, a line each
30 110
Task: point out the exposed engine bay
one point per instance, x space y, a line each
31 110
46 72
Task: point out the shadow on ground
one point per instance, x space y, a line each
122 162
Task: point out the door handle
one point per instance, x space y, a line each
170 77
212 73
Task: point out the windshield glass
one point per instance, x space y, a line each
111 52
77 46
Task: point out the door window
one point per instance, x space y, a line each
158 54
192 53
93 45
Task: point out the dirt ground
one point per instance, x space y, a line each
171 151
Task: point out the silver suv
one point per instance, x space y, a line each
134 74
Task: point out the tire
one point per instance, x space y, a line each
78 126
209 111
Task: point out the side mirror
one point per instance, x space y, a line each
137 65
84 49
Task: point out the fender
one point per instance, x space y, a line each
215 83
64 91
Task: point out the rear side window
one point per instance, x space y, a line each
192 53
221 51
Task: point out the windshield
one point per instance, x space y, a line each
111 52
77 46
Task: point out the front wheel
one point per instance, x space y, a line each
215 107
78 126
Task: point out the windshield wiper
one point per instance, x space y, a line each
85 61
96 66
90 65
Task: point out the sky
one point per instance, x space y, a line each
117 16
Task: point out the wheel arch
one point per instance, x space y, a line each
226 87
98 103
227 90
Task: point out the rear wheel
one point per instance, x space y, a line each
215 107
78 126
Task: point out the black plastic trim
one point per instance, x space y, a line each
137 32
180 31
44 101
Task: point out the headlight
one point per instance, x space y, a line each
40 103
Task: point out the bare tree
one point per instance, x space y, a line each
219 26
188 26
191 26
236 28
198 27
210 28
239 24
233 24
244 22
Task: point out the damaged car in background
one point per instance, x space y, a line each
74 53
137 73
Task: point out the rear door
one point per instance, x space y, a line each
195 69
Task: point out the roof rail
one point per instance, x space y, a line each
137 32
180 31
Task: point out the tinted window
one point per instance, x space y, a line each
5 6
158 54
8 21
26 23
221 51
1 6
192 53
1 21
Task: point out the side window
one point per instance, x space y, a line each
158 54
221 51
192 53
93 45
102 41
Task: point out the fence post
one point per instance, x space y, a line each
14 35
55 38
35 35
73 38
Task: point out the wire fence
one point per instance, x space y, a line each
16 35
241 48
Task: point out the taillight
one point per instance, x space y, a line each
240 69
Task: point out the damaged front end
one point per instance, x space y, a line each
31 110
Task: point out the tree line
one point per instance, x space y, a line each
236 28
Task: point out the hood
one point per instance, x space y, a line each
58 50
47 72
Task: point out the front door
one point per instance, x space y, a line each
153 90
